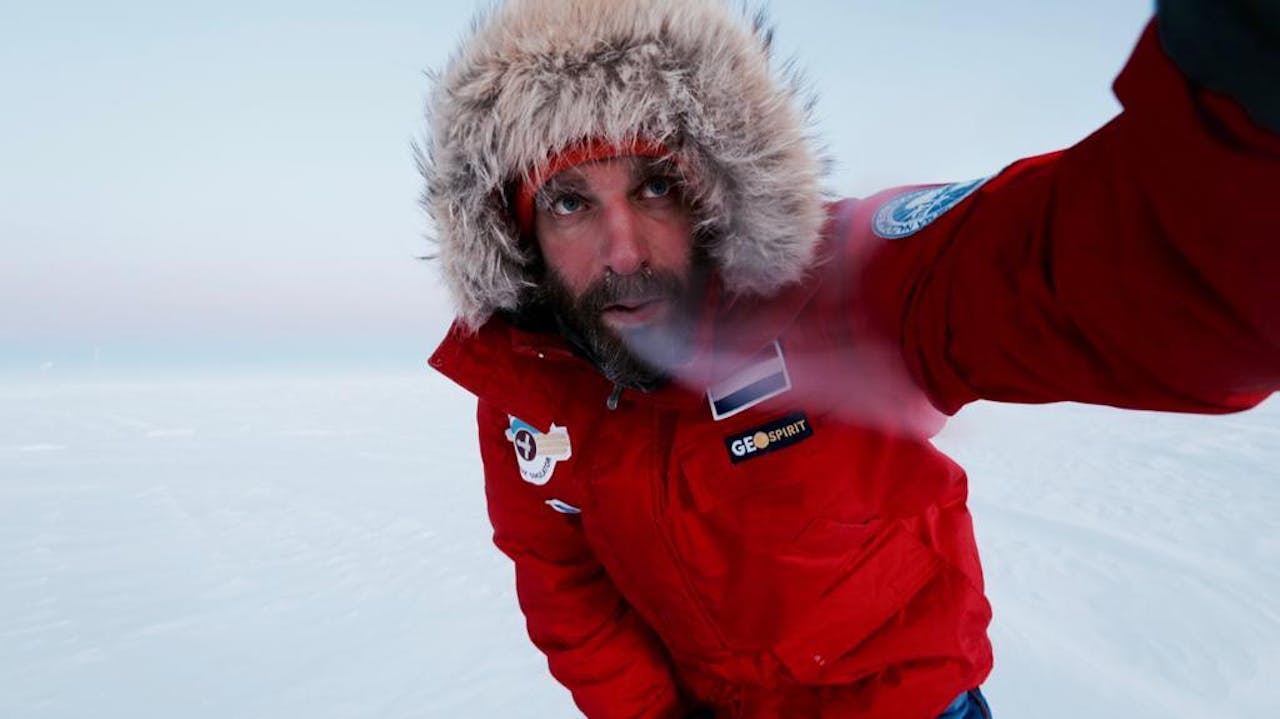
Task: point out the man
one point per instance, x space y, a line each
705 397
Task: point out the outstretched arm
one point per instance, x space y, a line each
595 644
1140 268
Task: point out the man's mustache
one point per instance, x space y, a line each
630 290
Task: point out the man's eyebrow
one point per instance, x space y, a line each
568 181
657 166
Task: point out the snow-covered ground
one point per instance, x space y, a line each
258 547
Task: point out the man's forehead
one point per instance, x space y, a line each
635 167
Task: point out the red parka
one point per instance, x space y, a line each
773 535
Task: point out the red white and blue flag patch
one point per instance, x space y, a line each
764 377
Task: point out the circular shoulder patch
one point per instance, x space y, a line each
910 212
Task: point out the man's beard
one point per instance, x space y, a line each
638 358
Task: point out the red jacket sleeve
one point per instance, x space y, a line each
1139 268
596 645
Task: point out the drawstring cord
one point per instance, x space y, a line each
612 402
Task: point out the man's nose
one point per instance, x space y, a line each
624 248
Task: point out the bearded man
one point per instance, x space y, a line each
705 396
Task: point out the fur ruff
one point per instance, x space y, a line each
537 76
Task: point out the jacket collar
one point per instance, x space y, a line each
525 372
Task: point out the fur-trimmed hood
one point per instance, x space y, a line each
537 76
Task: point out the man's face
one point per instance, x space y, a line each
616 237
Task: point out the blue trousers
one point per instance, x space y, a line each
970 705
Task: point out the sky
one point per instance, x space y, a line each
233 184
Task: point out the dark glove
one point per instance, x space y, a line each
1230 46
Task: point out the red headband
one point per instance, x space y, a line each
580 154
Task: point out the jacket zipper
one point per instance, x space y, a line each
666 436
658 501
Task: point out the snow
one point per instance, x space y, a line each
241 546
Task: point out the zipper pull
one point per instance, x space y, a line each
612 402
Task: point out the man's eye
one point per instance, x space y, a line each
655 187
567 204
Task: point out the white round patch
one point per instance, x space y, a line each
538 452
910 212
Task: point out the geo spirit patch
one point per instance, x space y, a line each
911 212
767 438
538 452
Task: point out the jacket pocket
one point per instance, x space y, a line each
876 586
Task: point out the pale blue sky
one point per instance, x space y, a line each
238 175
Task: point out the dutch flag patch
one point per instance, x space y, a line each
764 377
